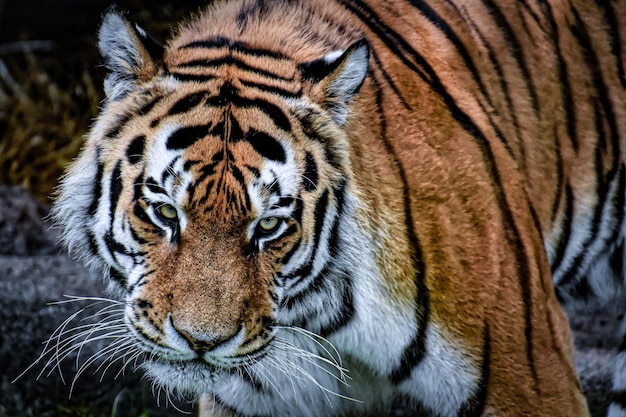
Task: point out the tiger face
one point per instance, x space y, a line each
215 195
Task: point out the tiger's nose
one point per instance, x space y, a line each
203 340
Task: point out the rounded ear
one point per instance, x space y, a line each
128 52
339 75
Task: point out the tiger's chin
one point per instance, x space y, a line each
185 378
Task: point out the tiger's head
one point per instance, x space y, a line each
210 189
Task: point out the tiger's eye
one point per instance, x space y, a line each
168 211
268 224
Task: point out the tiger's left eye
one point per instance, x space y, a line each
168 211
269 224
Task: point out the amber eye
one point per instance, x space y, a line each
167 212
269 224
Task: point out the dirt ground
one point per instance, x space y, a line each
50 89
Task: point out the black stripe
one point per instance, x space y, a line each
246 204
139 212
567 100
307 122
267 146
416 349
580 32
328 278
190 164
566 233
321 208
269 243
206 171
515 48
114 246
228 94
506 92
615 41
347 310
343 279
392 39
136 237
475 406
96 194
221 42
616 261
187 103
92 244
149 105
438 21
560 180
118 125
287 257
389 80
272 89
601 193
310 177
297 216
622 346
257 52
135 150
619 206
532 13
235 134
180 76
117 276
154 186
169 170
230 60
186 136
115 190
218 42
280 119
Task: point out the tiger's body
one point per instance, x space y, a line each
403 179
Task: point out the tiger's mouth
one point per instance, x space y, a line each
191 376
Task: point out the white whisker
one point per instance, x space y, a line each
102 320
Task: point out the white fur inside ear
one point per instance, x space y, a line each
352 73
120 49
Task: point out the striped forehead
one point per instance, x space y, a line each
201 176
226 161
226 136
263 70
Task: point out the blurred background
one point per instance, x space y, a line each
50 80
50 90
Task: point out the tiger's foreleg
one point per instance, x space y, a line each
208 406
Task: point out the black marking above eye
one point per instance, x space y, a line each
266 146
187 103
310 177
186 136
134 152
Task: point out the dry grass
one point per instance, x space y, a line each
41 122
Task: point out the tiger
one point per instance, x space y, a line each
353 207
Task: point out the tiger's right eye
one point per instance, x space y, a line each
167 212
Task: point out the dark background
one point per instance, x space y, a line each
49 93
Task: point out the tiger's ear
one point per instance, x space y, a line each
129 54
337 77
